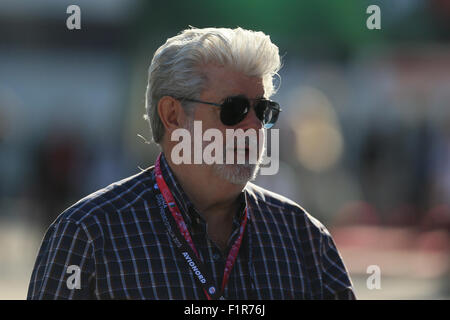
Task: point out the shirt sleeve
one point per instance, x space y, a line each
336 281
64 267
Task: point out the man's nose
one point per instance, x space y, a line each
250 121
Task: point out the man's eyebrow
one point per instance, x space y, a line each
244 96
232 96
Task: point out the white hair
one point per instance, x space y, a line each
175 69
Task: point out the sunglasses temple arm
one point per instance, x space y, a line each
204 102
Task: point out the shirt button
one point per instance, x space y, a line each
216 257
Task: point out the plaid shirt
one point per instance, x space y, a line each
117 239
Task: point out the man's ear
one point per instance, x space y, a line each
171 113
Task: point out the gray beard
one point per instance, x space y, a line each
238 174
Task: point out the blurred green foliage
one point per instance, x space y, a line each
296 26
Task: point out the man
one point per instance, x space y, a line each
195 231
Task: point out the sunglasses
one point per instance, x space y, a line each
234 109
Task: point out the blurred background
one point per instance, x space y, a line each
365 131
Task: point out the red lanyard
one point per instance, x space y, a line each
176 214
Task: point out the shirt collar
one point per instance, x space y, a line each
178 193
184 203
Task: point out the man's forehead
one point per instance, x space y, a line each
225 81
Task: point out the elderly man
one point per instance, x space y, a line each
195 231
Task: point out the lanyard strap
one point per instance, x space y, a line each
182 238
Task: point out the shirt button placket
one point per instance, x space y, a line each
216 256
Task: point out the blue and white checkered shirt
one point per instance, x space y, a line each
118 242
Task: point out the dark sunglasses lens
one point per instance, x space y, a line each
267 111
234 111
